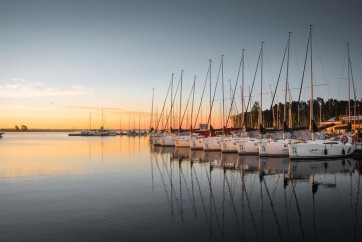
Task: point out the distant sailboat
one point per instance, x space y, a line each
96 132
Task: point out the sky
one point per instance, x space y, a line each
63 62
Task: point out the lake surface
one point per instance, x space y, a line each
59 188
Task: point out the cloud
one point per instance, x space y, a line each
20 88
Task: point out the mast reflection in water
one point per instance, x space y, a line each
121 189
247 198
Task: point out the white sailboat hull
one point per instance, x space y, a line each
278 148
182 141
167 140
197 143
320 149
212 144
229 145
248 147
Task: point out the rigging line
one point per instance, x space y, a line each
273 210
319 55
192 189
250 211
267 57
286 211
354 89
202 201
305 64
164 185
280 72
188 100
188 190
173 191
356 207
233 98
233 205
173 102
202 96
296 55
152 176
242 203
180 183
299 212
169 87
256 70
212 197
343 66
213 98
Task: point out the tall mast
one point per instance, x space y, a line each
153 93
286 87
261 88
272 109
286 83
311 84
210 99
179 122
242 91
171 119
102 120
223 98
349 88
192 107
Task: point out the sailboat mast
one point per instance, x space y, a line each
311 83
349 87
153 93
261 87
286 84
171 119
242 91
223 99
286 88
193 97
210 98
102 120
179 122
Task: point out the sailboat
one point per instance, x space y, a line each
95 132
213 143
316 148
250 145
229 144
279 147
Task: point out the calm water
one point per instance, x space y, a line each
59 188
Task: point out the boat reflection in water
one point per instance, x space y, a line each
181 154
231 197
273 165
197 156
306 169
213 157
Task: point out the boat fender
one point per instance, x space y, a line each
343 152
355 138
344 139
325 150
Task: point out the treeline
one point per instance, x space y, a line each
322 111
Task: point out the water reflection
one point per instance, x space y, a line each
249 198
63 184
